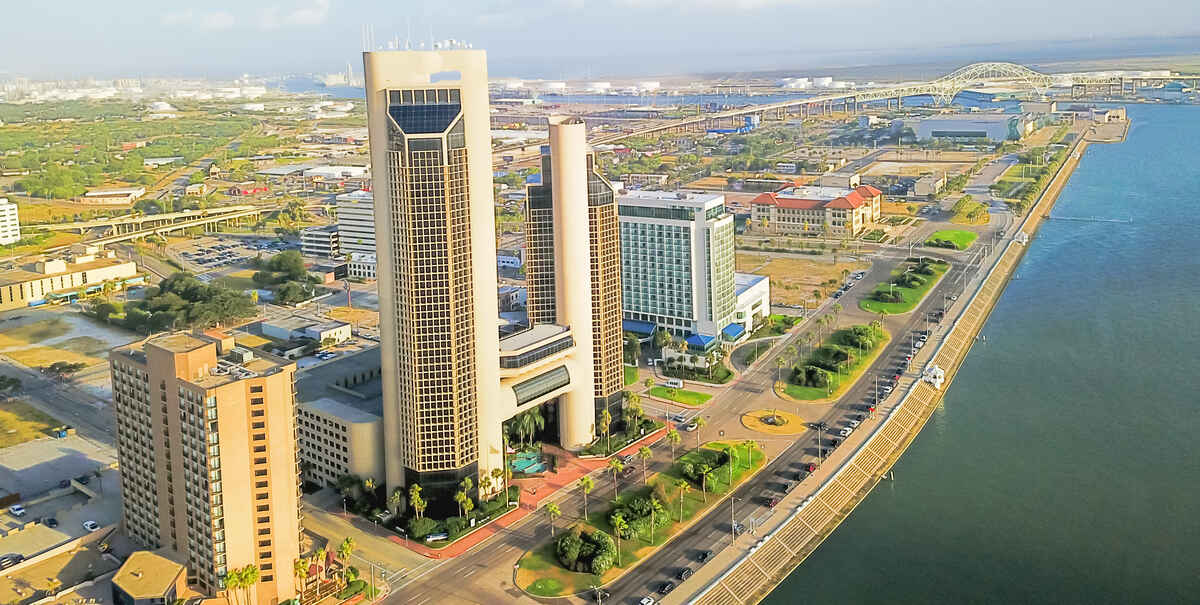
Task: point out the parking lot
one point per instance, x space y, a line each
211 253
36 467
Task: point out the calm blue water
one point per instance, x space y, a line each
1064 466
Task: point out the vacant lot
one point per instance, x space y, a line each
357 317
794 279
40 338
238 280
21 422
913 169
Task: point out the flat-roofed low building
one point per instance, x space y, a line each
753 303
126 195
296 327
340 419
356 222
929 185
361 265
149 578
320 241
48 281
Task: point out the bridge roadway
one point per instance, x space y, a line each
164 229
140 219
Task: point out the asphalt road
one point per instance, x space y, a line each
92 418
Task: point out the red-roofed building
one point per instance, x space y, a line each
812 210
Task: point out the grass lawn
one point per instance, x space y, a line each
683 396
970 213
911 297
40 357
775 325
540 573
55 239
842 381
238 280
962 239
37 331
21 422
631 375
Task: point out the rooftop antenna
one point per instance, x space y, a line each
408 33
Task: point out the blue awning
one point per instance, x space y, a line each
637 326
700 341
733 331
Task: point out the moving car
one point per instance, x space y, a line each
691 426
11 559
91 525
704 556
16 510
853 424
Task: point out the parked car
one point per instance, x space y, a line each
684 573
646 601
11 559
772 502
704 556
50 522
91 525
691 426
738 529
846 432
853 424
16 510
666 587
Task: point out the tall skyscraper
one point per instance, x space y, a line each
209 469
449 381
571 223
427 115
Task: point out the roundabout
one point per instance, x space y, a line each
774 422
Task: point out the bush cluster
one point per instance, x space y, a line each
587 552
637 514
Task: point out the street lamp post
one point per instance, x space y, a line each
732 522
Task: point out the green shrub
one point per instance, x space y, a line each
456 525
420 527
351 589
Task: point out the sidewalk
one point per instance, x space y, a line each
546 487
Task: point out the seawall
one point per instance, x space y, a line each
757 573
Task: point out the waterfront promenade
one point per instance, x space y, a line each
756 571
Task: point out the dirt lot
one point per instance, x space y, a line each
39 338
357 317
794 279
892 168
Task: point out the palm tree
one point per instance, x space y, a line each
684 487
299 567
502 473
395 498
369 485
645 454
344 550
731 451
704 471
656 509
837 311
779 363
415 500
319 558
673 437
248 579
605 427
553 513
816 296
619 525
807 339
485 483
699 422
586 485
460 497
615 466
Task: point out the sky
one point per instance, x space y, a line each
562 38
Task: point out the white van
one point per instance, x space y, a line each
674 383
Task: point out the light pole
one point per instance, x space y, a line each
732 522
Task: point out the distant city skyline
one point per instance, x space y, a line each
590 38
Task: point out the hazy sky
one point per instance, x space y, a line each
552 38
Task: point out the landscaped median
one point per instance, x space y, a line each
681 396
909 283
837 364
617 535
957 239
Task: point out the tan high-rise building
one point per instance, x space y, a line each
573 258
427 116
206 438
449 380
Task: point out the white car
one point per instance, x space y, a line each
91 525
16 510
691 426
853 424
846 432
646 601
